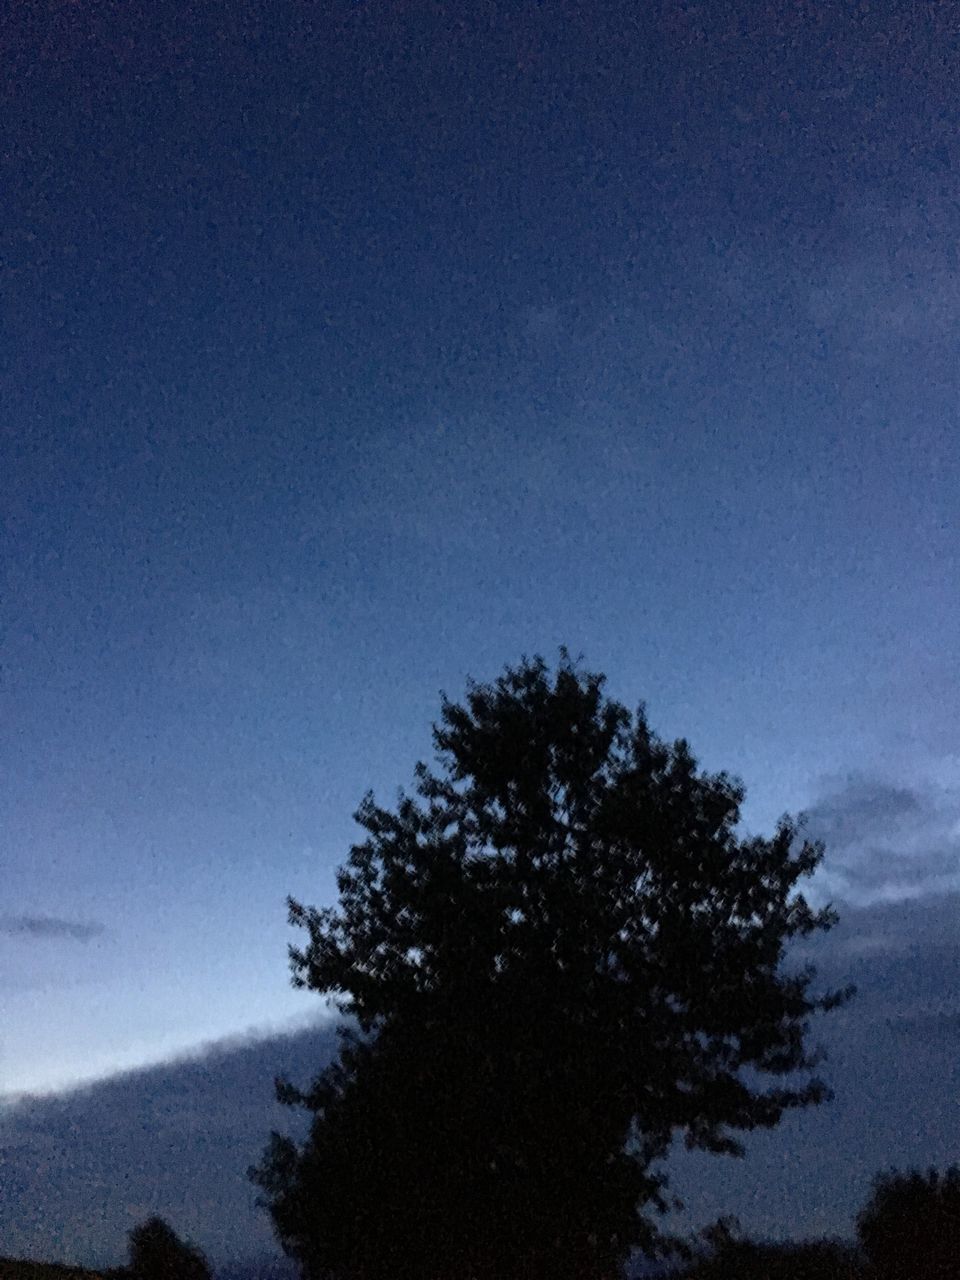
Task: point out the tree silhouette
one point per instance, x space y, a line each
158 1253
733 1256
559 954
911 1225
810 1260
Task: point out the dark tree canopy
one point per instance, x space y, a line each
732 1256
911 1225
818 1260
158 1253
560 955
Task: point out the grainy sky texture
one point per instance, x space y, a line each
352 349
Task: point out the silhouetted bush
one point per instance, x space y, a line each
910 1227
157 1253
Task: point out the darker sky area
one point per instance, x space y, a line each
349 349
230 208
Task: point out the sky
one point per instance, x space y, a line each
348 351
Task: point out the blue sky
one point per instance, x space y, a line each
348 355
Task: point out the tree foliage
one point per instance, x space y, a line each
157 1253
559 954
911 1225
814 1260
732 1256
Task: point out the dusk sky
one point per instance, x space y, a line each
350 350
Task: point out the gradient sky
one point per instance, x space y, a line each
352 349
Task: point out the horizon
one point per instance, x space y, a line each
209 1115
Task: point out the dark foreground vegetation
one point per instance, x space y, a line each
908 1230
558 957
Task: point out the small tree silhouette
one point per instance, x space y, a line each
158 1253
910 1227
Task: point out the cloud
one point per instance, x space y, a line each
81 1168
886 841
27 926
864 805
888 292
929 1026
873 289
891 1061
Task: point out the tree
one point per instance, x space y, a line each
158 1253
734 1257
812 1260
558 955
911 1225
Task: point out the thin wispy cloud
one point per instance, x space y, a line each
877 286
30 926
